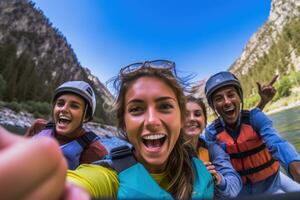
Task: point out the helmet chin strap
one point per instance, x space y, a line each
83 120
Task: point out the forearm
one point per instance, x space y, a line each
261 105
230 186
231 183
294 170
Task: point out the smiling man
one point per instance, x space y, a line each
255 148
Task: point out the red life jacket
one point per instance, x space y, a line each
248 153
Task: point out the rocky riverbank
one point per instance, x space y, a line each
23 120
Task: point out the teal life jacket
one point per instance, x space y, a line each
137 183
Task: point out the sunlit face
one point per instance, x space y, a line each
227 103
195 122
152 121
67 113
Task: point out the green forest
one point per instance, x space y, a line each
21 86
24 87
277 61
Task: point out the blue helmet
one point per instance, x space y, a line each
219 80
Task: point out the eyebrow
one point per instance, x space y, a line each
74 102
163 98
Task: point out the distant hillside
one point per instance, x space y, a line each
273 49
35 58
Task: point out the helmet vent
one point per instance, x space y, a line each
89 90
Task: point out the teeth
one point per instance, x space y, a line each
64 117
229 109
153 137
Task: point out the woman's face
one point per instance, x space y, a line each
152 121
67 114
195 122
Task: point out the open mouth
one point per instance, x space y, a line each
229 111
154 140
193 126
64 120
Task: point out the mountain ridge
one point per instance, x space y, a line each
24 27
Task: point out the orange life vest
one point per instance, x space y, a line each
248 153
202 150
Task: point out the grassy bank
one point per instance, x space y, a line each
284 102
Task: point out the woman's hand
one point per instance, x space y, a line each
43 167
211 168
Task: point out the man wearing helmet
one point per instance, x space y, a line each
254 146
74 103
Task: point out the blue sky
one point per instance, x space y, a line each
202 37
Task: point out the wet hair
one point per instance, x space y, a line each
179 164
200 102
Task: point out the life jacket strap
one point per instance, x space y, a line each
49 125
122 158
256 169
202 143
86 139
249 152
246 117
218 126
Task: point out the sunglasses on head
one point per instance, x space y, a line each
160 64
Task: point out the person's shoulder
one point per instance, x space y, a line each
93 172
255 110
37 126
257 114
99 181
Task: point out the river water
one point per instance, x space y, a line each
287 122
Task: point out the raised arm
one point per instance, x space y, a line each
266 93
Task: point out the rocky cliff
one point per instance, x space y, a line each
282 11
28 30
273 49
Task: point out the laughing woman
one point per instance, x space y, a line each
228 183
151 113
74 103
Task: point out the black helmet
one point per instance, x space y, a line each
219 80
82 89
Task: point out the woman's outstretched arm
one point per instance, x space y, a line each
30 168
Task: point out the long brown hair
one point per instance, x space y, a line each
179 165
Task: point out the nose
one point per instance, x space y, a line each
64 108
227 100
191 116
152 121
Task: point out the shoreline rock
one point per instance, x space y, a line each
23 120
